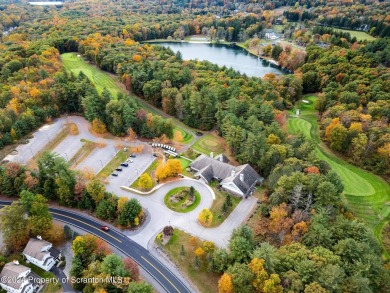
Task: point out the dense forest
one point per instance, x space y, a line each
306 239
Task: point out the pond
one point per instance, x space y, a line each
225 55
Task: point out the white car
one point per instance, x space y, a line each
129 161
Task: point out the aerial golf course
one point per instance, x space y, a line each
367 195
102 80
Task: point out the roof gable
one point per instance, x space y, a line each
36 248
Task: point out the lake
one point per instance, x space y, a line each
224 55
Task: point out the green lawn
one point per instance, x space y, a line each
216 208
186 136
360 36
119 158
366 194
101 80
177 207
208 143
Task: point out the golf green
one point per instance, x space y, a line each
367 195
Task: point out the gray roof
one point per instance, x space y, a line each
210 168
250 179
207 173
222 158
10 273
34 248
220 170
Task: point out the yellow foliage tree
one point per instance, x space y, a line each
170 169
145 181
272 285
15 105
74 129
356 126
205 217
34 92
137 58
199 252
14 136
273 139
178 136
385 150
121 203
98 126
261 275
225 284
330 127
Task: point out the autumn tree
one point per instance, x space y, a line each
96 190
205 217
98 126
14 226
132 267
121 203
145 182
225 284
171 168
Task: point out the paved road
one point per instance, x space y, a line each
160 214
115 238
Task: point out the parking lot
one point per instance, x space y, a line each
129 174
95 161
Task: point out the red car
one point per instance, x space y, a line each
105 228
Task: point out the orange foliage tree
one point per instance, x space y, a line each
225 284
170 169
98 126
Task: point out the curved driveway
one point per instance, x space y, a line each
115 238
154 203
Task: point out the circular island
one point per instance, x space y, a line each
182 199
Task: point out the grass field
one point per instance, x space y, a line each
360 36
177 207
209 143
101 80
186 136
216 208
205 281
367 195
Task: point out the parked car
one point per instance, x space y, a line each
132 156
129 161
199 133
105 228
118 169
114 174
154 155
125 165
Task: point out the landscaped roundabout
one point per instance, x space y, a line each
182 199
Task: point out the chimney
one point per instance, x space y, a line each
211 155
242 177
221 158
233 173
15 262
39 237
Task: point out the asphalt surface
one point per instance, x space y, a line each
130 248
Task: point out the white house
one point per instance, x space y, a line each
41 253
238 180
16 278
